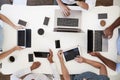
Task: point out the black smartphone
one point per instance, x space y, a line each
30 57
46 21
41 54
57 43
102 16
22 22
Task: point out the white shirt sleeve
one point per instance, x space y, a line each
19 74
56 75
20 2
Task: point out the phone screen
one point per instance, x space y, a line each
57 43
21 22
46 20
30 57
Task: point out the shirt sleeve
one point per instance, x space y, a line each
56 75
118 67
19 74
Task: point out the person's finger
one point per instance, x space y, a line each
104 32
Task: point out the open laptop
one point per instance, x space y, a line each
96 41
70 23
24 38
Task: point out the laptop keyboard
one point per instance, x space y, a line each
98 41
71 22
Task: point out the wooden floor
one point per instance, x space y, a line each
47 2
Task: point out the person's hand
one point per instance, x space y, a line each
18 27
18 48
35 65
60 55
79 59
65 10
50 56
94 54
82 4
108 33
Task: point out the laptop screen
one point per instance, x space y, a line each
24 38
21 37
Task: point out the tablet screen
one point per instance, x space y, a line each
71 54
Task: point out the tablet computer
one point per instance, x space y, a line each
71 53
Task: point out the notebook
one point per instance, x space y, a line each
24 38
67 23
71 54
96 41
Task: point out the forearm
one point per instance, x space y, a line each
82 4
5 54
59 2
92 63
111 64
6 20
65 72
98 65
115 24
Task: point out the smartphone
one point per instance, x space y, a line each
30 57
46 21
102 16
21 38
22 22
41 54
57 43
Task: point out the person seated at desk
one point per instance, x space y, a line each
86 75
85 4
6 20
108 33
26 74
111 64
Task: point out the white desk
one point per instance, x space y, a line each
34 15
